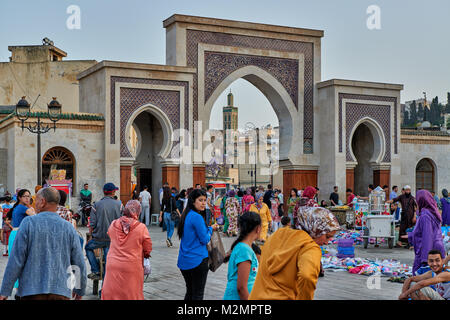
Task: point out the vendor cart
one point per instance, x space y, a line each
378 223
379 226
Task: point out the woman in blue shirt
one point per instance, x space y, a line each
19 211
243 263
193 255
21 208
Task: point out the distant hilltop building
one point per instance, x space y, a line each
421 101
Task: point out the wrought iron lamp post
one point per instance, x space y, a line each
251 126
38 127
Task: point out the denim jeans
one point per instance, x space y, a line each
170 224
208 217
90 246
145 215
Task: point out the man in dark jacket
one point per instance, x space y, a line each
86 194
103 213
407 219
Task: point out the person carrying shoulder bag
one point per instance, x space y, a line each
170 214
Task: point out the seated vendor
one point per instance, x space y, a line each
350 197
438 276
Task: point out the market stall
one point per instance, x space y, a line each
378 222
58 181
344 215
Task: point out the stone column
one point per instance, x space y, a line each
138 179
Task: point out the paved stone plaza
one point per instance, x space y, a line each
167 283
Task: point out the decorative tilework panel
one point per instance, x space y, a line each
131 99
369 98
219 65
381 113
184 84
194 37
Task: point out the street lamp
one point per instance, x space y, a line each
53 113
252 126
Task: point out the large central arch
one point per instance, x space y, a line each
367 149
276 94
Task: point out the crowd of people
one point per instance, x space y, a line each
276 253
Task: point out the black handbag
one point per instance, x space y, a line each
280 210
173 214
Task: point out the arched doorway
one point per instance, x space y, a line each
59 158
425 174
367 149
148 138
363 149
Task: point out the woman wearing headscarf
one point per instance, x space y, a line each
266 218
427 233
33 198
247 200
290 259
306 200
130 244
445 204
233 210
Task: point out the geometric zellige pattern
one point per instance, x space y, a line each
379 99
114 80
132 98
194 37
219 65
381 113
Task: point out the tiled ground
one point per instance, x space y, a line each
166 281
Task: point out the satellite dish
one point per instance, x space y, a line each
47 42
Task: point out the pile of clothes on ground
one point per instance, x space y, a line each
386 267
348 234
356 236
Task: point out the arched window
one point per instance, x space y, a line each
425 175
59 158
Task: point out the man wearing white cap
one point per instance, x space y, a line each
407 220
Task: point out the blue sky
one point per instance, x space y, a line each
411 47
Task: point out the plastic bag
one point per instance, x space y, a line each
220 220
216 251
147 267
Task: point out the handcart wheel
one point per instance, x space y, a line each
391 243
365 240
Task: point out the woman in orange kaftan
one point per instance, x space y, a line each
130 244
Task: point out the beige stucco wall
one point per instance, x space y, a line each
412 152
85 143
47 78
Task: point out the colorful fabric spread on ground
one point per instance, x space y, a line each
367 267
386 267
348 234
